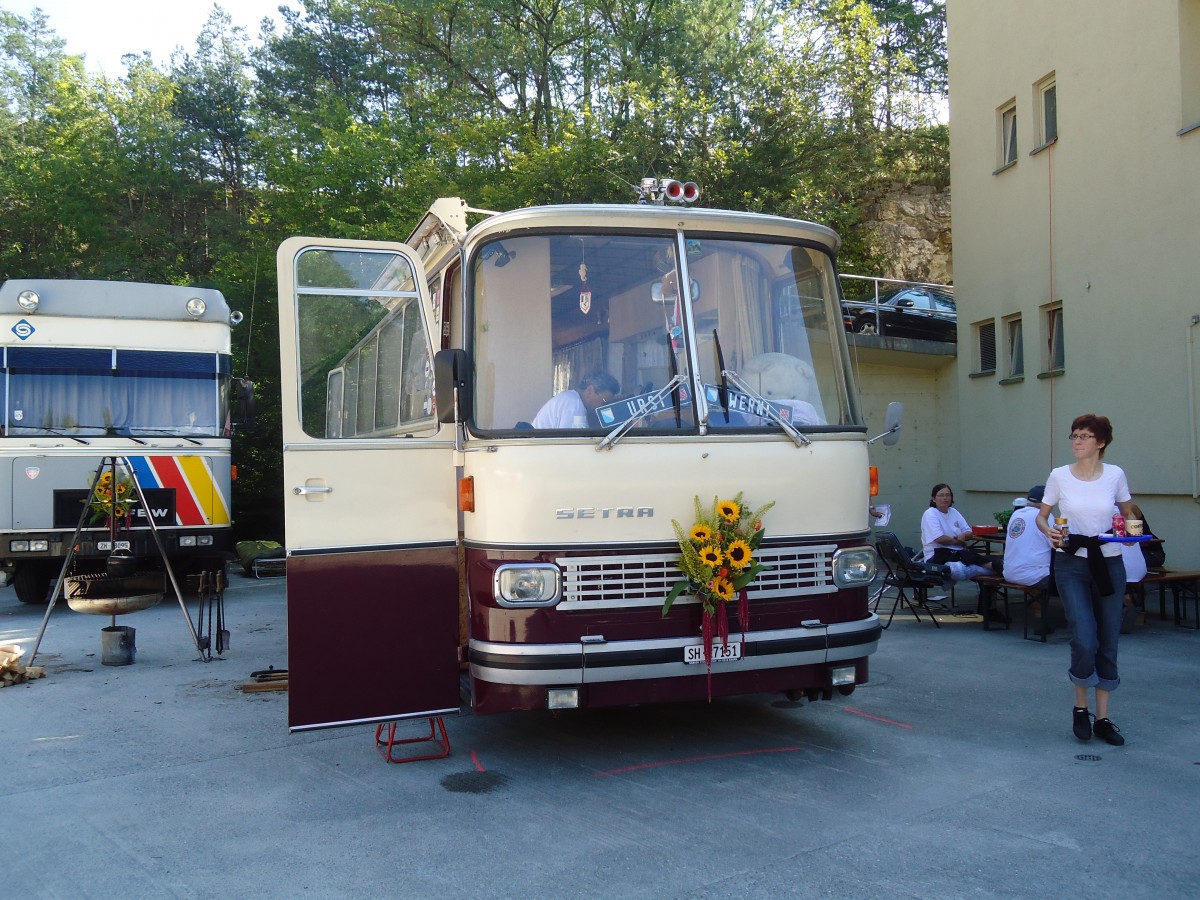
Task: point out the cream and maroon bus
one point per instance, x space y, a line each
445 530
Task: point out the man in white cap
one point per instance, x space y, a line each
1026 549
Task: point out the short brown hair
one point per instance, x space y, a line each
1097 425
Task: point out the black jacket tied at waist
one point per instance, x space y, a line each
1095 558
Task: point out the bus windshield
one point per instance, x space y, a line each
588 331
125 393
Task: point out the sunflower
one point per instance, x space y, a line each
729 510
701 533
739 554
723 588
711 555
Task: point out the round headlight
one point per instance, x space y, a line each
28 300
196 307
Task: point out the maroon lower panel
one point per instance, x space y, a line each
372 635
498 698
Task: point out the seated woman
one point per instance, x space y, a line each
944 536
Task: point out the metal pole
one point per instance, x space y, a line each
67 559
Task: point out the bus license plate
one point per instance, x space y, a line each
108 545
694 653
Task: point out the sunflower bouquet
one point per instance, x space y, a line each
112 498
717 561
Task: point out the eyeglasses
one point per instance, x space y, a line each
1081 437
943 494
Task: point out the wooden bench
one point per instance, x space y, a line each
1184 585
995 585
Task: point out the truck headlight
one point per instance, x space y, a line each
526 584
854 566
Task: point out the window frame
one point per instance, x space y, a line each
1014 340
1043 91
1007 140
1053 340
984 332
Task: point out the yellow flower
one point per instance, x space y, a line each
728 510
722 588
739 554
701 533
711 555
123 488
106 479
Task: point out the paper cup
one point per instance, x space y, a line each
1133 527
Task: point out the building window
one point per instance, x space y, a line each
1008 134
1055 358
985 346
1046 98
1016 349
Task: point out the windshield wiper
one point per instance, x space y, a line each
723 390
768 411
64 434
653 405
168 432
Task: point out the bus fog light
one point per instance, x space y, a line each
854 566
41 546
18 546
187 540
562 698
842 675
530 584
204 540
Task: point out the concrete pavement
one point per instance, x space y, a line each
953 774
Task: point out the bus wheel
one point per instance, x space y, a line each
32 583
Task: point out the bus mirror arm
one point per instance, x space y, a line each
892 423
451 382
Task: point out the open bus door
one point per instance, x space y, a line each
370 492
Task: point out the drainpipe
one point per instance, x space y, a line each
1191 371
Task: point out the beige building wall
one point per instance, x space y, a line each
928 450
1104 220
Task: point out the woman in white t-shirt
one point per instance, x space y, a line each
1090 574
944 533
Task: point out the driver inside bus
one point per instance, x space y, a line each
576 408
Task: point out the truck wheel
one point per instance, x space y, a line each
32 583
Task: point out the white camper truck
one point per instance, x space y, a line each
108 369
444 522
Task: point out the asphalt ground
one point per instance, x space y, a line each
954 773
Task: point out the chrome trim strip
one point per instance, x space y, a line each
369 548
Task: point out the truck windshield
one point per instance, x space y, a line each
115 392
587 331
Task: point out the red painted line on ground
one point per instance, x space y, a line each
478 764
692 759
859 712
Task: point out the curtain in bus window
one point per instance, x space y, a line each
171 393
60 391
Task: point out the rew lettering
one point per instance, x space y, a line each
606 512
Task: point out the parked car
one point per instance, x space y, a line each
924 313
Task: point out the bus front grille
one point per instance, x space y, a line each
605 582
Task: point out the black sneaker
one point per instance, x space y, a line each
1106 730
1083 723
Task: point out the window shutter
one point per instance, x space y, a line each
987 347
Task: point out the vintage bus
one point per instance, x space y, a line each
447 528
110 369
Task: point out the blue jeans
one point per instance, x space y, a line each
1095 619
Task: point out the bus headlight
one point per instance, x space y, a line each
854 567
195 307
28 300
526 584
